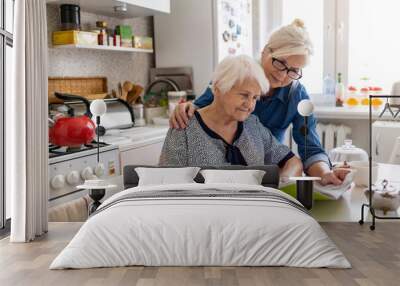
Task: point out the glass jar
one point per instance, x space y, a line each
174 98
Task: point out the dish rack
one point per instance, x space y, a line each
387 108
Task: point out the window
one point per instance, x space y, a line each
312 14
6 43
357 38
374 42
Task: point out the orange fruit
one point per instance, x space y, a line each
376 102
352 101
365 101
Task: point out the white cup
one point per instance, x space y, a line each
361 177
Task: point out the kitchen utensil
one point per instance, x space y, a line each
361 177
73 98
113 94
72 131
119 90
134 94
126 88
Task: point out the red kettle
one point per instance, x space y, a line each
71 131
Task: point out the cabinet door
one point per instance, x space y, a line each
146 155
156 5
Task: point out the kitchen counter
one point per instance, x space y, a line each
135 137
138 145
326 112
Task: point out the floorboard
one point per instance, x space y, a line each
374 255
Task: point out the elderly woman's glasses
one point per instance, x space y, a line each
291 72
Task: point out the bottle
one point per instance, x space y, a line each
339 91
102 38
328 91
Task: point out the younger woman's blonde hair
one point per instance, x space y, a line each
290 40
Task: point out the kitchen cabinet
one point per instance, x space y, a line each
156 5
134 8
144 155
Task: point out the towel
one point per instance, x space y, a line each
335 192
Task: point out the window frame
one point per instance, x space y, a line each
6 39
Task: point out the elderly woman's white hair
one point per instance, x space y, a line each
234 70
290 40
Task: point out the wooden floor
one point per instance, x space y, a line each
375 257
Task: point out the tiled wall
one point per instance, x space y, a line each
116 66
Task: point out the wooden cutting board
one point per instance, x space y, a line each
88 87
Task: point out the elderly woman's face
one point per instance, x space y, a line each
278 77
240 101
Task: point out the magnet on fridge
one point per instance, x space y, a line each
238 29
232 51
226 36
231 23
226 6
234 37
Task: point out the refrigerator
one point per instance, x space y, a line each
200 33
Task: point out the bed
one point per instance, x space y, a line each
198 224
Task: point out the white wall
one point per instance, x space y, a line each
185 38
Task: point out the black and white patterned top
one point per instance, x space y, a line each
193 146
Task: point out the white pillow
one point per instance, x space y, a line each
248 177
166 176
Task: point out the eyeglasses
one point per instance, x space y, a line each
291 72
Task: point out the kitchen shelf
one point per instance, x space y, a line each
106 48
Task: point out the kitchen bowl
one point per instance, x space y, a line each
361 177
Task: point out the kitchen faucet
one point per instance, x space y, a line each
168 81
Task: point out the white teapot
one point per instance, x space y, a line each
385 198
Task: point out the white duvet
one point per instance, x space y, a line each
200 231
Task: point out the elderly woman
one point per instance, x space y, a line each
286 53
224 132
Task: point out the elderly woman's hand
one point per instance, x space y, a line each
181 115
335 176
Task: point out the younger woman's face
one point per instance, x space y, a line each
240 101
279 78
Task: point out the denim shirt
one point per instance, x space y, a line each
277 112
